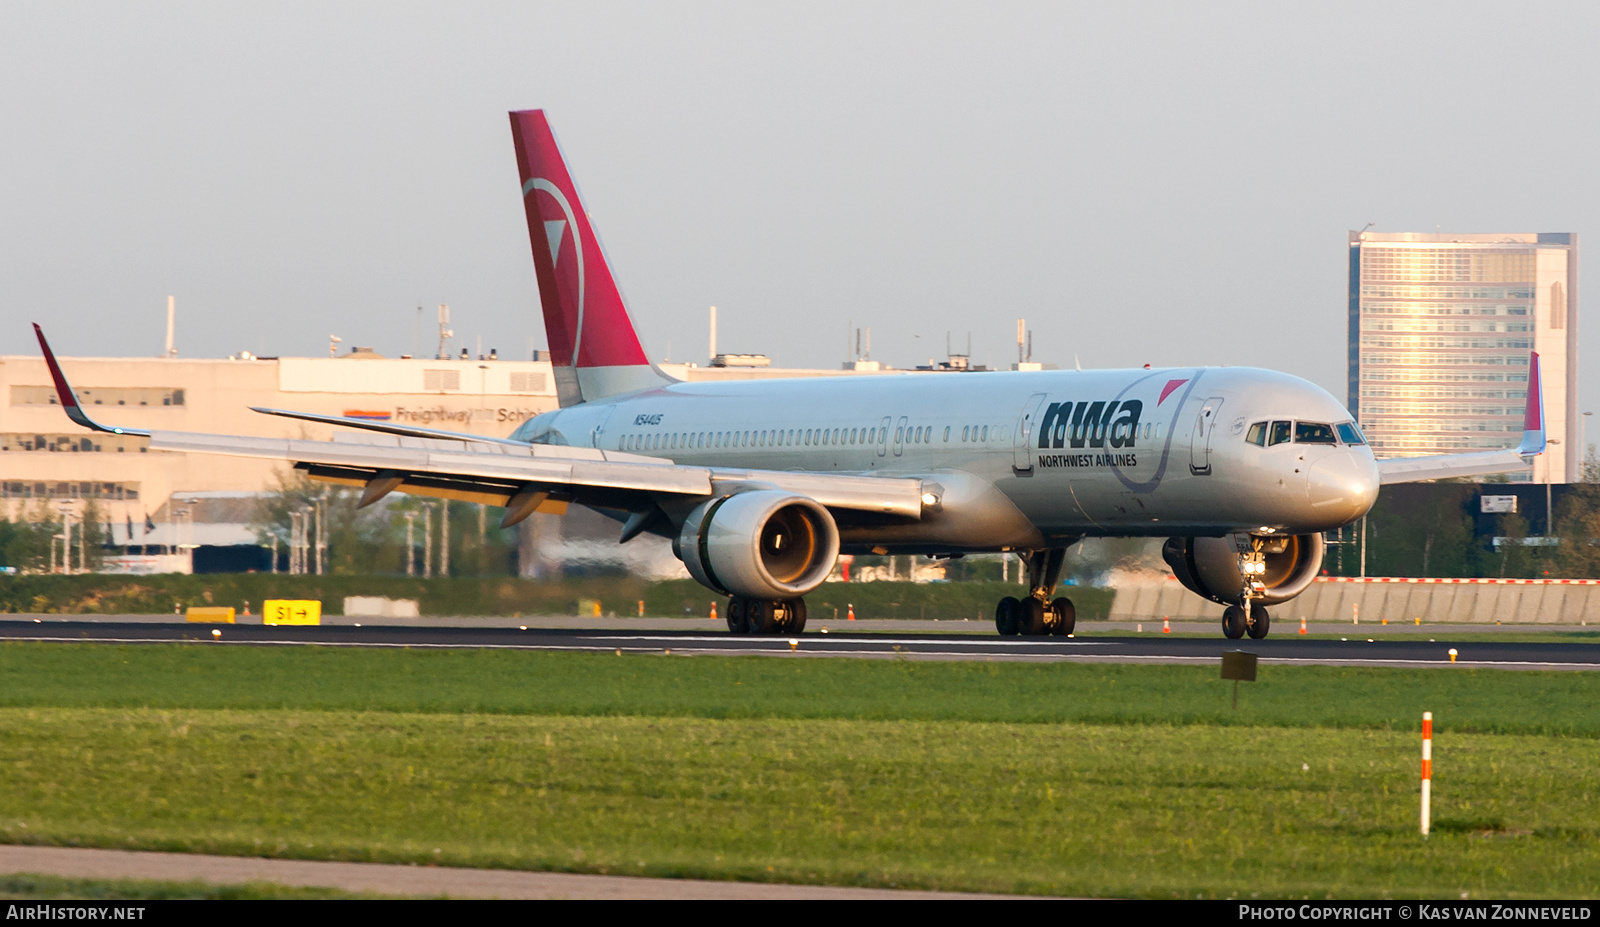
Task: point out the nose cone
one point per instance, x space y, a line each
1342 486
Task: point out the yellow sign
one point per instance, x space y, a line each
291 611
211 614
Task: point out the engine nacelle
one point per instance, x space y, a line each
763 543
1209 567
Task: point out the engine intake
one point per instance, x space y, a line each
763 543
1209 567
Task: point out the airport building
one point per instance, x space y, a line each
44 457
1440 326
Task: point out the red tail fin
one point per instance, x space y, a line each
1533 439
593 346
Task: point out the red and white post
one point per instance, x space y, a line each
1427 767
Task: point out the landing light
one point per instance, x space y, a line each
929 498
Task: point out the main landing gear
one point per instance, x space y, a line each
1038 614
1237 622
764 616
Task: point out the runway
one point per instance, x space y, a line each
1145 648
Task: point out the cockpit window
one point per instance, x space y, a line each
1279 433
1350 434
1313 433
1257 434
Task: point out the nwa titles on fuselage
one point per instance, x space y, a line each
761 484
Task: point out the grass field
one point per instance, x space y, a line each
1051 778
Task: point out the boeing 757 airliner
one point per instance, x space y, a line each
761 485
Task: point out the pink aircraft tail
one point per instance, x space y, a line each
1533 438
593 347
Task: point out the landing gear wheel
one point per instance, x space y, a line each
1030 617
760 617
795 618
1065 615
1233 622
1005 616
1260 622
736 615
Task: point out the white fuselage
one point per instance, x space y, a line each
1024 460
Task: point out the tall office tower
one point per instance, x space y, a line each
1440 330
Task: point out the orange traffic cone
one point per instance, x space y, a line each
1302 624
850 612
713 611
1166 626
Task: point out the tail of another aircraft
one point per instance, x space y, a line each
593 347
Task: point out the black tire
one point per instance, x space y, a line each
1260 622
736 615
1030 617
1066 617
1233 622
796 621
760 617
1005 616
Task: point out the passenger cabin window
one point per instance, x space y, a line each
1313 433
1257 434
1350 434
1279 433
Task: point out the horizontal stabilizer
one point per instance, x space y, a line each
388 428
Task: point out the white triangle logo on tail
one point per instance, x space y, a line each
553 232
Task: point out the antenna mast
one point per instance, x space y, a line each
445 334
172 307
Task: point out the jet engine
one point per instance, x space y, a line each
762 543
1210 567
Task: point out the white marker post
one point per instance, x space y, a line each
1427 767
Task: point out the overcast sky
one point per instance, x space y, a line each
1145 183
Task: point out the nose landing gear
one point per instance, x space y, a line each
1250 616
1037 614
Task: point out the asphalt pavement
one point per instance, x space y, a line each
1357 649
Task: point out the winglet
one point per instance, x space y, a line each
1533 442
69 399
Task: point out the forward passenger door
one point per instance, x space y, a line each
1206 419
1022 442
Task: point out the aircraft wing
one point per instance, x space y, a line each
524 478
1510 460
1444 466
498 474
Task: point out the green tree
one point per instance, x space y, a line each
1423 530
1514 559
372 540
1578 527
94 536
